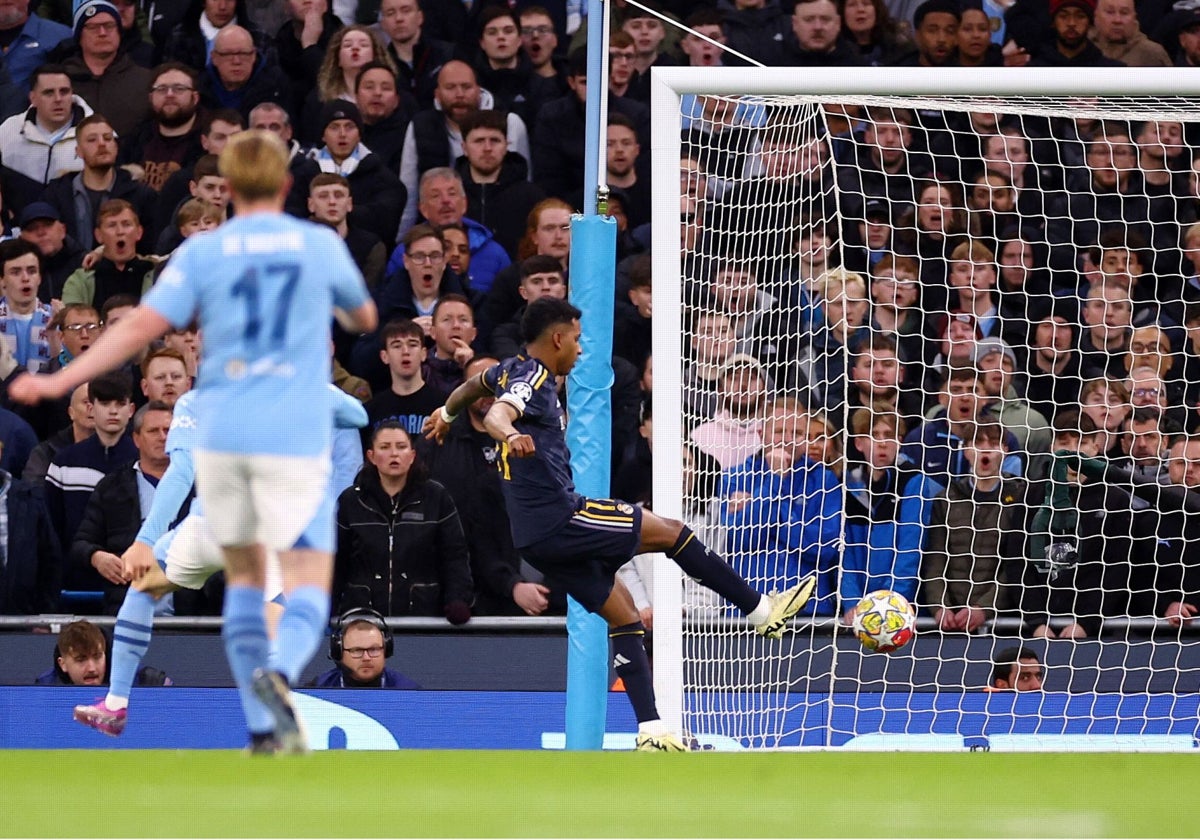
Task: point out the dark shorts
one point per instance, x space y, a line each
583 557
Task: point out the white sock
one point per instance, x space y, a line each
653 727
760 613
114 702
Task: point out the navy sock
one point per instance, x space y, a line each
633 667
695 558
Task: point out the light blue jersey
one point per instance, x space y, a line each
263 287
184 426
176 484
995 12
348 417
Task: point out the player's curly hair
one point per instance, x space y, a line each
544 313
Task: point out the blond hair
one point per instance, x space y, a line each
255 163
195 209
839 282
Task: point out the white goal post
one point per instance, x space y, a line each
816 688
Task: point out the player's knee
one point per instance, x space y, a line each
633 628
154 583
660 533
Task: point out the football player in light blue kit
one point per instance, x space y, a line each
164 559
262 286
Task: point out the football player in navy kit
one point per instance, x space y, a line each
579 543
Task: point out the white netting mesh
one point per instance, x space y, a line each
973 283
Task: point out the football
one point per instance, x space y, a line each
884 621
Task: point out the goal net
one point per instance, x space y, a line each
946 345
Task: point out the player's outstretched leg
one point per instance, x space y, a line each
768 613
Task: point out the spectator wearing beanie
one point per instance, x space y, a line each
105 77
377 192
1070 47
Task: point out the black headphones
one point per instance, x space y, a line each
350 617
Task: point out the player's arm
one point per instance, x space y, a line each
499 424
362 319
116 345
438 424
172 491
348 411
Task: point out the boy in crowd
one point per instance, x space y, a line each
120 270
410 399
889 504
24 320
937 445
977 524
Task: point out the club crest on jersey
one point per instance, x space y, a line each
522 391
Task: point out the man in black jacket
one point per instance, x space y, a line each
557 138
42 226
466 464
330 203
499 193
29 579
386 111
815 39
418 57
77 196
503 68
401 549
301 42
120 501
1092 544
1070 20
378 193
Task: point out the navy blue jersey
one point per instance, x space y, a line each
539 490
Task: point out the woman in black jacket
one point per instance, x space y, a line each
401 549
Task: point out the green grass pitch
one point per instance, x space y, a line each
543 794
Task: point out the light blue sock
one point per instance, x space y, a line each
131 638
245 635
301 629
273 656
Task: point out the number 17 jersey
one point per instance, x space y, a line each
263 288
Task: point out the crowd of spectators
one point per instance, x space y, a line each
908 401
873 385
